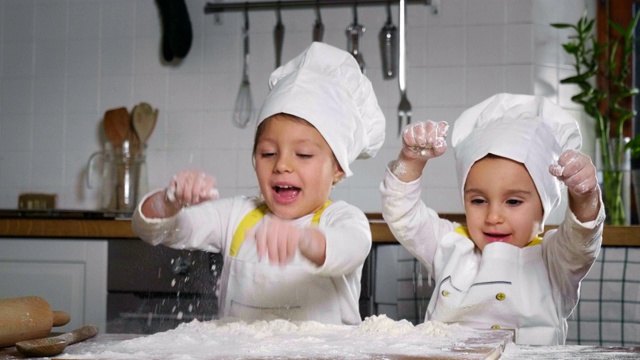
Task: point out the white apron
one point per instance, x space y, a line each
260 291
505 287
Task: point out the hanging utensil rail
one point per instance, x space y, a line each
211 8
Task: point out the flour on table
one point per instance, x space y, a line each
232 338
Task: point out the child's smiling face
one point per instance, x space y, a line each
501 203
295 166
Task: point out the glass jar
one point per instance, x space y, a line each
123 177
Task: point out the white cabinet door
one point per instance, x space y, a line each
70 274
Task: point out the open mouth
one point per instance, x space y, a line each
491 237
285 193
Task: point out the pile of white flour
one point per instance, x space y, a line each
225 339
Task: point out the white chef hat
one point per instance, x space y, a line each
325 86
528 129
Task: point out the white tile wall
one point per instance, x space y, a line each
64 62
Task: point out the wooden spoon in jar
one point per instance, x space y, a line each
117 126
144 121
55 345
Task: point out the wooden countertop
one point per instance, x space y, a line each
121 229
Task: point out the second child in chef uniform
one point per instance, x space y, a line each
498 272
291 252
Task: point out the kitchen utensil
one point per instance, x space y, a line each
133 140
388 38
117 125
144 121
278 38
243 110
404 108
318 26
55 345
27 317
355 31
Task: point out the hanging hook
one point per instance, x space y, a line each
389 21
278 36
318 27
355 12
318 15
278 17
246 16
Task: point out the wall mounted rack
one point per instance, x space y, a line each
218 7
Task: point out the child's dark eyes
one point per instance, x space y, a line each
510 202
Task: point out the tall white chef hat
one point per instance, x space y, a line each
528 129
325 86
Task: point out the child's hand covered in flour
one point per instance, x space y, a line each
578 173
420 142
279 240
191 187
426 139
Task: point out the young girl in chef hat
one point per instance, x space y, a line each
290 253
512 154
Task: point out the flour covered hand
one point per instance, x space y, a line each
425 140
279 240
191 187
578 173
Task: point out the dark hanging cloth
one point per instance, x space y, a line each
176 29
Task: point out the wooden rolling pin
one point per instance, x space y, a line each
26 318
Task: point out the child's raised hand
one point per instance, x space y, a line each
425 140
576 170
280 239
191 187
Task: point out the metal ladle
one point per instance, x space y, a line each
388 38
243 110
354 33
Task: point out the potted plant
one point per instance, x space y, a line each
611 106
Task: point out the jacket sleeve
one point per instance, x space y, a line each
348 239
417 227
202 227
569 252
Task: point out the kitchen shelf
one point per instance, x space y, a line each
213 8
121 229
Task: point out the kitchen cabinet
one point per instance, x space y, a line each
70 274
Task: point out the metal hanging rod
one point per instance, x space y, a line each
211 8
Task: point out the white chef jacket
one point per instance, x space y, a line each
251 289
530 290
